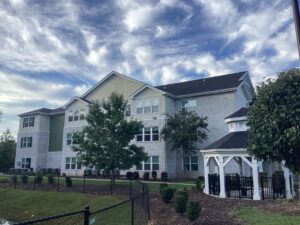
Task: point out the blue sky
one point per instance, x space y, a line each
51 51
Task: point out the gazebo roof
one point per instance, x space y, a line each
233 140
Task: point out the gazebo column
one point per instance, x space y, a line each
256 195
206 172
222 177
286 173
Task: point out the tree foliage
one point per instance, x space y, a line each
183 130
105 142
274 120
7 151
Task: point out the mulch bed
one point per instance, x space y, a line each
215 211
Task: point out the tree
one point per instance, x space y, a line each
7 151
183 130
105 142
274 120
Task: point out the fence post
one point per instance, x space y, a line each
130 189
132 211
58 178
148 200
291 186
34 180
111 184
15 181
262 187
86 215
83 183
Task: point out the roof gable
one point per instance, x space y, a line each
73 100
242 112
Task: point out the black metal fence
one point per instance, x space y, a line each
134 210
242 187
272 187
239 186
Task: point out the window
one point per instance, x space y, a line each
69 138
72 163
155 134
191 163
26 142
25 163
28 121
76 115
139 136
148 134
128 110
188 105
241 124
152 163
148 106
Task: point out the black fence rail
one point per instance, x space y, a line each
272 187
239 186
214 184
133 211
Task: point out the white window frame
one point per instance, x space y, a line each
127 112
189 163
72 163
69 139
149 162
76 115
188 105
25 163
26 142
151 134
152 104
28 121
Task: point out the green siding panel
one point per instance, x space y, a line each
56 133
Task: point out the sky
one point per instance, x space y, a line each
53 50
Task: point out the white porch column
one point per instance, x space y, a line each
286 173
206 172
256 195
222 177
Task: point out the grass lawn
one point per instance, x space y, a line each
253 216
19 205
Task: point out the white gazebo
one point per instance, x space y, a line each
229 155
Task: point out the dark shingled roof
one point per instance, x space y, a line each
43 111
231 140
239 113
203 85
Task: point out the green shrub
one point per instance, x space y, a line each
146 176
154 175
51 179
193 210
183 193
164 176
4 180
199 185
129 175
181 200
68 182
14 178
38 178
24 179
162 186
167 194
136 175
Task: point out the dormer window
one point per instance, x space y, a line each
188 105
28 121
76 115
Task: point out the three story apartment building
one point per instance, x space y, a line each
45 135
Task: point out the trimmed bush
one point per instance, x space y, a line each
183 193
68 181
49 171
4 180
146 176
164 176
136 175
38 178
105 173
154 175
51 179
14 178
162 186
129 175
193 210
181 200
167 194
199 184
24 179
